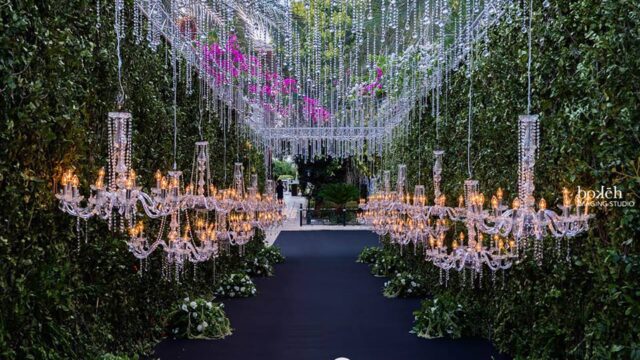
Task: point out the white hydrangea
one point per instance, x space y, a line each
193 305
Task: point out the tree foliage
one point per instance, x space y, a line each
72 290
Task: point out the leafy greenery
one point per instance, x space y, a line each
199 319
369 254
63 298
585 57
283 168
261 264
405 284
235 285
439 317
338 195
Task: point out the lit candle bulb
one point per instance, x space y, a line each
132 176
499 193
516 204
128 184
75 182
158 177
566 198
460 201
100 179
494 202
542 204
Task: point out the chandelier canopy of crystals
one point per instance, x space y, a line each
313 77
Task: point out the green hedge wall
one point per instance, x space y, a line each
58 81
585 72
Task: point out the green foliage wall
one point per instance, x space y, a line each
585 71
58 81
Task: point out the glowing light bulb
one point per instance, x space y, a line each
566 198
494 202
499 193
516 203
542 204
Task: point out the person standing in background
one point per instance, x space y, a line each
280 191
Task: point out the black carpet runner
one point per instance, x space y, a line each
322 305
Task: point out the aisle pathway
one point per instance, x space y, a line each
322 305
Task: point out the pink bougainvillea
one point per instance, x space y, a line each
226 64
370 88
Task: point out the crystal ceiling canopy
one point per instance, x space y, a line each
319 76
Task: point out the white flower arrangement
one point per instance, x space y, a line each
404 284
199 319
235 285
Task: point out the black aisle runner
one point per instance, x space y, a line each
321 305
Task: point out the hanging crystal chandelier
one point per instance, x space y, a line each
241 216
523 222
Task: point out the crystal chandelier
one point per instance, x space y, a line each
242 211
523 222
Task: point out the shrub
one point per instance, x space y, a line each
338 195
272 254
235 285
405 284
439 317
199 319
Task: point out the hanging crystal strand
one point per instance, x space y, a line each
137 34
441 273
119 21
78 233
98 24
195 275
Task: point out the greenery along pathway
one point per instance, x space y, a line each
323 305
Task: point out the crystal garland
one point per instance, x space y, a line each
335 99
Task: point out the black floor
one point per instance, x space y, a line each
322 305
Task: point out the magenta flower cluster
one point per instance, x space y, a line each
269 89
